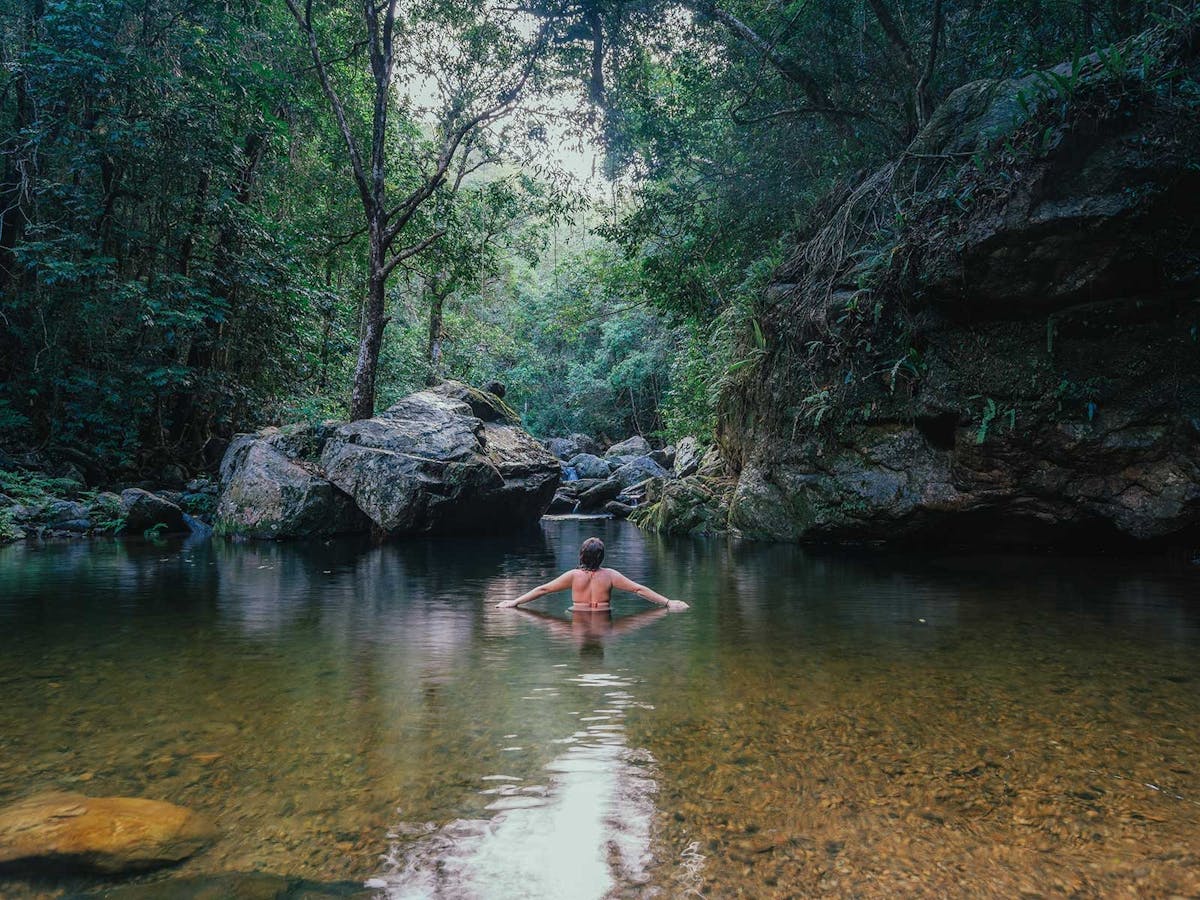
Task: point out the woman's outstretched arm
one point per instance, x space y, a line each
561 583
622 583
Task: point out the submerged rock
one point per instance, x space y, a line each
102 834
448 459
237 886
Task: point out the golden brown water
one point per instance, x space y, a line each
829 725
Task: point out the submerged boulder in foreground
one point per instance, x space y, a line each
101 834
448 459
238 886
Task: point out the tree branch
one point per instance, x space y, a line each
924 97
407 207
412 250
895 36
304 20
786 66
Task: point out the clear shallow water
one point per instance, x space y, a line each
841 725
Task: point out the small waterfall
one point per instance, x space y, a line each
569 473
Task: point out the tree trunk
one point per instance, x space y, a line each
434 351
13 213
362 397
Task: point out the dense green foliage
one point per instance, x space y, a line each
182 250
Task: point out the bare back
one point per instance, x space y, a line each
592 590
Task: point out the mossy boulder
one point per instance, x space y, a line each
269 489
692 505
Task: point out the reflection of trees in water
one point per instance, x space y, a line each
573 824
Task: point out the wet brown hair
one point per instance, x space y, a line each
591 554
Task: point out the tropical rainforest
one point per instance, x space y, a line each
220 215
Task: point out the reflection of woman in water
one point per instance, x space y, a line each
591 586
588 628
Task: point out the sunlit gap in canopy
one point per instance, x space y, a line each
547 134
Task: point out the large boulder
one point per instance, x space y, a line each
1009 357
595 497
664 457
561 504
692 505
687 457
634 446
102 834
485 406
588 466
618 510
529 476
571 445
448 459
143 510
428 465
712 463
270 490
639 469
562 448
586 444
65 515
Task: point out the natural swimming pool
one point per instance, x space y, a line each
843 724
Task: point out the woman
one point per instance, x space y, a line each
591 586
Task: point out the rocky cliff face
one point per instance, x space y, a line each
995 336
